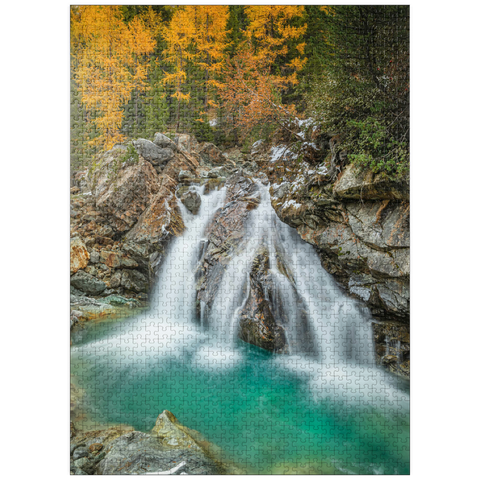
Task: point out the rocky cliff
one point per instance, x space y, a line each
123 215
359 223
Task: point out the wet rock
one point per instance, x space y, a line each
192 201
392 346
225 235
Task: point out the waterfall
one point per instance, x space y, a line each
324 398
322 323
335 328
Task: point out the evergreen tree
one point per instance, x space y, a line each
362 91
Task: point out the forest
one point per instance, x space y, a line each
235 74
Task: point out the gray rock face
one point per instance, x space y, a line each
360 228
87 283
135 281
139 453
153 153
169 448
163 141
355 184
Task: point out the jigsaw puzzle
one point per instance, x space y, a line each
239 240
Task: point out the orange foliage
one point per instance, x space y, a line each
110 59
196 34
252 92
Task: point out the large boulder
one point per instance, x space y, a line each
225 234
170 448
122 189
157 156
163 141
161 220
258 324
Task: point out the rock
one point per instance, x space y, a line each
152 153
169 448
117 259
184 142
79 255
183 162
84 464
140 453
171 433
357 184
74 319
258 326
192 201
225 234
162 219
95 447
263 178
163 141
184 175
135 281
117 300
122 191
94 257
392 346
87 283
211 154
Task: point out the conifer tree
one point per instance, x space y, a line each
110 61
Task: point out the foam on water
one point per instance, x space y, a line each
329 373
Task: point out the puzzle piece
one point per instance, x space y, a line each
239 254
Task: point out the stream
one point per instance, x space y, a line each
322 408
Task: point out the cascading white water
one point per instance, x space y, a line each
323 323
336 330
190 361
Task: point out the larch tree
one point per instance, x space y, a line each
178 36
110 60
264 67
